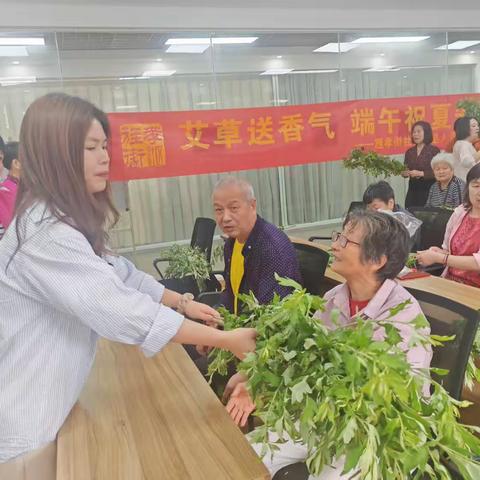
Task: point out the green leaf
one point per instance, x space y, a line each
352 457
349 431
442 338
309 343
289 355
299 390
287 282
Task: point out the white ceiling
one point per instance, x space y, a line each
286 15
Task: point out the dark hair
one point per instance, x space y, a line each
383 234
52 146
427 131
381 190
2 145
473 174
11 154
462 127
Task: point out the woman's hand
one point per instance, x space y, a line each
200 311
406 173
430 256
417 174
240 341
232 383
240 405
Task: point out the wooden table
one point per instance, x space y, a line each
151 419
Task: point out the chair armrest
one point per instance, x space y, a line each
159 260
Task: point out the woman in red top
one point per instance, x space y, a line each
461 247
417 161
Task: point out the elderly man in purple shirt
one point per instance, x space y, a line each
255 249
369 254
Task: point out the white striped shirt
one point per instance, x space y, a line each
56 298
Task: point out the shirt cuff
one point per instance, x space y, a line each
151 287
164 328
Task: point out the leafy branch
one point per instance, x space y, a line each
372 163
344 395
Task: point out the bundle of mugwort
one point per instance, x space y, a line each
344 395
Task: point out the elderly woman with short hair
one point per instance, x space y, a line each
369 253
448 189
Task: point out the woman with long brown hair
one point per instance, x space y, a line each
61 288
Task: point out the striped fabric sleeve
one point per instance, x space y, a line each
134 278
66 274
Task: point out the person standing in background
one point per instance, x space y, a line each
3 170
464 153
417 161
8 188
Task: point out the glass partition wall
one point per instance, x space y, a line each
167 71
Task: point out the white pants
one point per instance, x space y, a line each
290 453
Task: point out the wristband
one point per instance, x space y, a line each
446 259
185 299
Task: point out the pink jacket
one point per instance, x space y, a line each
388 296
452 226
8 193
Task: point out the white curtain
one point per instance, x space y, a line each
165 209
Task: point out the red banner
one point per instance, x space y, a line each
168 144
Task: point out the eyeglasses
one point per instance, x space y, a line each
342 239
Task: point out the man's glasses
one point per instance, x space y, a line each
342 239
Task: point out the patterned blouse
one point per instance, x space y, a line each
449 197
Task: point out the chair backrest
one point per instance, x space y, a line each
355 206
313 262
433 227
447 317
202 235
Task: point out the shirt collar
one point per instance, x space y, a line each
375 305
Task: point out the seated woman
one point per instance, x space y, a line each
369 254
448 189
460 252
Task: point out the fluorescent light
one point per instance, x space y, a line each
277 71
159 59
13 51
421 67
390 39
158 73
206 40
315 71
134 78
126 107
336 47
459 45
232 40
186 48
205 103
15 62
22 41
188 41
389 68
5 81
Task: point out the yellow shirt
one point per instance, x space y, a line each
237 269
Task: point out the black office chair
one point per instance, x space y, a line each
202 238
446 317
210 298
313 262
434 222
353 207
